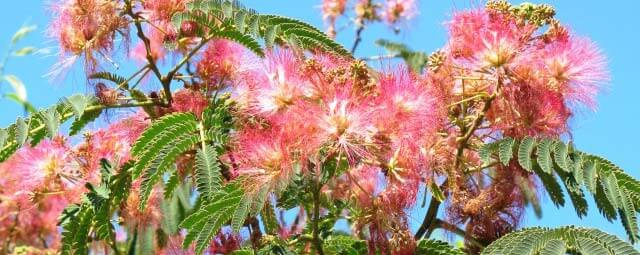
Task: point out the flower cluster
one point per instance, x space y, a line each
300 113
370 139
512 79
86 27
392 12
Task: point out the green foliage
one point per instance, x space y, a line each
207 172
546 241
615 192
205 223
344 245
436 247
416 60
46 123
120 81
90 220
232 21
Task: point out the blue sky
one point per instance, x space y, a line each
611 131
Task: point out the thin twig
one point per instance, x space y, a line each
358 39
458 231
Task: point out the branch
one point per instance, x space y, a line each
145 40
89 109
429 218
458 231
316 216
358 39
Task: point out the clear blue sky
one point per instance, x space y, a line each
612 131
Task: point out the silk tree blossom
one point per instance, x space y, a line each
87 26
346 126
189 100
37 184
222 60
112 142
398 10
575 68
331 10
163 10
555 70
266 158
284 84
157 50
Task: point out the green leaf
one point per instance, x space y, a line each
120 81
240 22
560 156
18 87
78 103
590 178
505 152
270 36
486 151
544 155
241 213
628 215
552 186
52 121
246 40
554 247
4 134
22 32
207 221
227 9
342 244
436 191
436 247
552 241
80 123
524 153
208 176
603 203
21 131
25 51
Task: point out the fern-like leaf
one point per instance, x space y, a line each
524 153
615 192
208 176
505 150
115 78
559 241
436 247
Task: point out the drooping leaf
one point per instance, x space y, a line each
552 241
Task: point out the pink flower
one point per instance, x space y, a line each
221 61
397 10
112 143
281 85
225 243
163 10
157 39
151 216
346 126
265 156
574 67
530 111
409 107
331 9
37 184
85 26
188 100
492 39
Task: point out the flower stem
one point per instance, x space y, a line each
316 219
